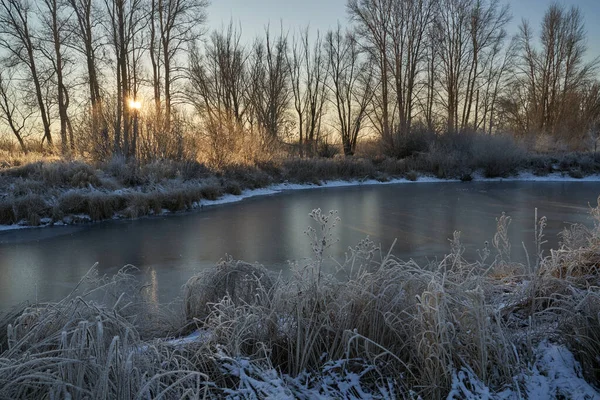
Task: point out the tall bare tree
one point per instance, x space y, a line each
86 38
55 28
487 33
497 78
15 114
269 78
351 83
555 76
452 43
408 32
218 78
174 24
22 47
374 19
308 68
125 21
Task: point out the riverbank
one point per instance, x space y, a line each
454 329
47 193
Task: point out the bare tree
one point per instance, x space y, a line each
555 76
269 77
86 39
410 22
295 64
55 27
496 79
19 42
374 21
174 24
351 84
218 79
219 92
308 69
125 21
487 34
428 85
15 115
452 42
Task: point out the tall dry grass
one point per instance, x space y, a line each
416 326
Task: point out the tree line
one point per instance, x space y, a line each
399 68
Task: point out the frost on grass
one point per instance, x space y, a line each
380 328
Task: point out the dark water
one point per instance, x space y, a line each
44 264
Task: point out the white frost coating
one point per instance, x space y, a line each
230 198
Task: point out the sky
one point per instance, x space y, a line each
254 15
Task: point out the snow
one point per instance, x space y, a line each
555 375
197 336
334 381
529 177
558 375
12 227
278 188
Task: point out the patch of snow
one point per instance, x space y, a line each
529 177
280 187
555 375
342 379
12 227
194 337
230 198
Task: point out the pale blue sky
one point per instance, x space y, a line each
254 15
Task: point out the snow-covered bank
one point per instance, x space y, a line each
281 187
529 177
